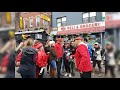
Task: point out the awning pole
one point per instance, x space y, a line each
101 38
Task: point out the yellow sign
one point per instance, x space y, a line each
21 22
8 17
45 17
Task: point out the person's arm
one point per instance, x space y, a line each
4 48
4 63
20 45
18 57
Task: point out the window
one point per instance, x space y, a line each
31 22
85 17
64 21
92 17
45 23
37 21
89 17
25 24
61 21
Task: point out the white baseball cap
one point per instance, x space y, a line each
51 42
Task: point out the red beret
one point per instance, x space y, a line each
60 39
79 38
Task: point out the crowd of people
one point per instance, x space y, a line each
32 58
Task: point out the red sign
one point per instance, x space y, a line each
108 18
82 26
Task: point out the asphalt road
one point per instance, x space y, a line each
77 75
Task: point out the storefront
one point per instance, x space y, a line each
97 29
112 31
36 34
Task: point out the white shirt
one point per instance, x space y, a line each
112 59
99 55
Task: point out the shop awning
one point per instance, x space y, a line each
82 28
26 32
112 24
7 28
79 31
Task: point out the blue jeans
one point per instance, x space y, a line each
53 64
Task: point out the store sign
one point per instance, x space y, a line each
82 26
21 22
8 17
114 16
45 17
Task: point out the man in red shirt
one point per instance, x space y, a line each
59 50
82 58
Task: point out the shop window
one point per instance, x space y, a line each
13 17
92 17
25 24
85 17
45 23
64 21
61 21
31 22
89 17
37 21
0 20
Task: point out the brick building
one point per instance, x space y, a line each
7 24
30 21
7 21
36 24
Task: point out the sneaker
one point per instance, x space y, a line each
70 75
65 74
99 75
47 72
91 61
73 74
93 74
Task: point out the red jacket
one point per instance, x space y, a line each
41 59
83 58
5 60
18 57
59 50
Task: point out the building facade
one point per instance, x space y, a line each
7 21
36 24
29 21
77 23
74 18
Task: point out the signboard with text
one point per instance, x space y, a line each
45 17
82 26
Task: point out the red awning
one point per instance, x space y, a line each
78 31
112 24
